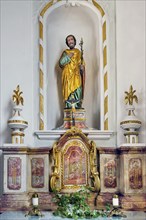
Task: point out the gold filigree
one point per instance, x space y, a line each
18 121
77 110
75 131
130 121
17 96
94 173
18 134
78 119
55 177
130 97
76 139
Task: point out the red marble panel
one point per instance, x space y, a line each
14 173
110 179
37 172
135 173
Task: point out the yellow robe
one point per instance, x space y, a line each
71 78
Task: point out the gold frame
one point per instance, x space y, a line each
74 137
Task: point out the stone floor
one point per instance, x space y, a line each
49 216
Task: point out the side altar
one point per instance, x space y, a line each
71 162
75 155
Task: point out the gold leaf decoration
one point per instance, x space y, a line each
17 96
130 96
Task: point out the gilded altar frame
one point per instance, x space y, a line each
74 163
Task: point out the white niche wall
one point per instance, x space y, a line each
81 22
84 21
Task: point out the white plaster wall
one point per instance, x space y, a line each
16 63
131 59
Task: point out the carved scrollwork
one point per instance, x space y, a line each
55 177
94 173
75 163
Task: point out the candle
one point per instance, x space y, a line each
115 201
35 199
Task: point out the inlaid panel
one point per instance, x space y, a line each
14 173
37 172
75 166
110 180
135 173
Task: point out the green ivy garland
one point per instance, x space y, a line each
74 205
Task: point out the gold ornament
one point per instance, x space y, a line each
17 96
130 97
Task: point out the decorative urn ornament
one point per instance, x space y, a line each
131 123
17 122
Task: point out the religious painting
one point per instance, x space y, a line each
14 173
110 180
37 169
135 173
75 166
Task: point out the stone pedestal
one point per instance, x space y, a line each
26 170
122 172
75 118
133 176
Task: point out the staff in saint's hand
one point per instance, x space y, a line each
82 68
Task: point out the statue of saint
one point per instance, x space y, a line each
73 74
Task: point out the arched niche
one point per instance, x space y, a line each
83 19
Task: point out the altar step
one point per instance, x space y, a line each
23 201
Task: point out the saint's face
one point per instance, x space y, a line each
71 42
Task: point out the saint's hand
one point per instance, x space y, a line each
70 55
